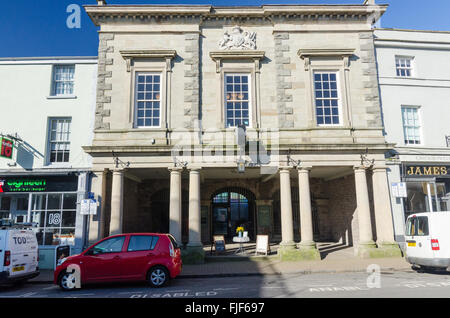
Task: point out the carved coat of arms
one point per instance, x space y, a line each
238 39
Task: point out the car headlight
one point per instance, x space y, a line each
61 261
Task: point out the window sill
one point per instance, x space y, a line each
62 97
58 165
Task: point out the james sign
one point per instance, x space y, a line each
426 171
7 148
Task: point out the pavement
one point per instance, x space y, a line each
338 262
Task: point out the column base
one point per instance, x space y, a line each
389 249
193 254
287 252
370 250
365 249
309 251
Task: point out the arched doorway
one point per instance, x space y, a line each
233 207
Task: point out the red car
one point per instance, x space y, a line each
150 257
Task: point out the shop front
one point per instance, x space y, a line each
50 203
428 188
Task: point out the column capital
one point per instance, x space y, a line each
194 168
380 168
175 169
118 170
359 168
304 169
285 169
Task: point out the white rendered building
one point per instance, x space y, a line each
47 107
414 78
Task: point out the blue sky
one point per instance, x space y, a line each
38 27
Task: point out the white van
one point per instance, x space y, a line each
18 254
428 240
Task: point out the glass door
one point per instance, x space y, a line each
220 220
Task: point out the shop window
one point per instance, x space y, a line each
426 197
5 206
22 204
55 215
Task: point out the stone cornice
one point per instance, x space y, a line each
167 55
307 54
218 56
135 12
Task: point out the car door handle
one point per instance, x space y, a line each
116 257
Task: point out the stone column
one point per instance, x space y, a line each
287 226
307 245
363 208
287 250
194 253
194 209
383 212
175 203
115 225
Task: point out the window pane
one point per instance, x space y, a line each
141 243
326 98
148 95
63 76
54 202
112 245
68 219
237 98
59 139
53 219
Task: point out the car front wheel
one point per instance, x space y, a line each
158 276
67 281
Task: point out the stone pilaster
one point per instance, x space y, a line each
369 79
284 81
383 213
104 86
191 79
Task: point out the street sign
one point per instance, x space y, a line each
88 207
6 148
399 190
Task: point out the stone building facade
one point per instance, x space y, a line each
175 83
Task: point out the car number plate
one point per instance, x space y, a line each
413 244
18 268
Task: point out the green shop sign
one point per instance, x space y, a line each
23 185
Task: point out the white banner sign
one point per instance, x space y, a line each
399 190
88 207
